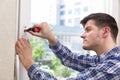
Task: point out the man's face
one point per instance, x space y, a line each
91 36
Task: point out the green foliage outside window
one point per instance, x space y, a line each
39 53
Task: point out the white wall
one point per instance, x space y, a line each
14 16
119 22
8 23
116 14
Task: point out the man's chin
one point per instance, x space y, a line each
86 48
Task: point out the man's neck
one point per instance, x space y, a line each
104 48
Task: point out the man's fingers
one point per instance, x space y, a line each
18 48
18 44
21 44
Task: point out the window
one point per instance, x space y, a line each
85 9
62 18
69 20
77 11
70 11
62 13
77 21
62 22
62 6
77 3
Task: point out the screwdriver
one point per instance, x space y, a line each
34 29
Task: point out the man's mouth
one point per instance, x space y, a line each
84 41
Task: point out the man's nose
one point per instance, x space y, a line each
82 35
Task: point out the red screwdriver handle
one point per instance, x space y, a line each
34 29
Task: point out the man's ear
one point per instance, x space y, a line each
106 31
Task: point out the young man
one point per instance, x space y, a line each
100 35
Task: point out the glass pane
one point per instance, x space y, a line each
64 17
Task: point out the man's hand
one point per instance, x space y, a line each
24 51
45 32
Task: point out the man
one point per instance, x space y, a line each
100 35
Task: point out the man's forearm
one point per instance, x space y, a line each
28 64
52 40
35 73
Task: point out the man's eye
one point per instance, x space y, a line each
87 30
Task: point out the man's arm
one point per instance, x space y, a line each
24 51
108 70
73 60
35 73
45 32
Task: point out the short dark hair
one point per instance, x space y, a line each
102 20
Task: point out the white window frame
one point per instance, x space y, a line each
24 20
